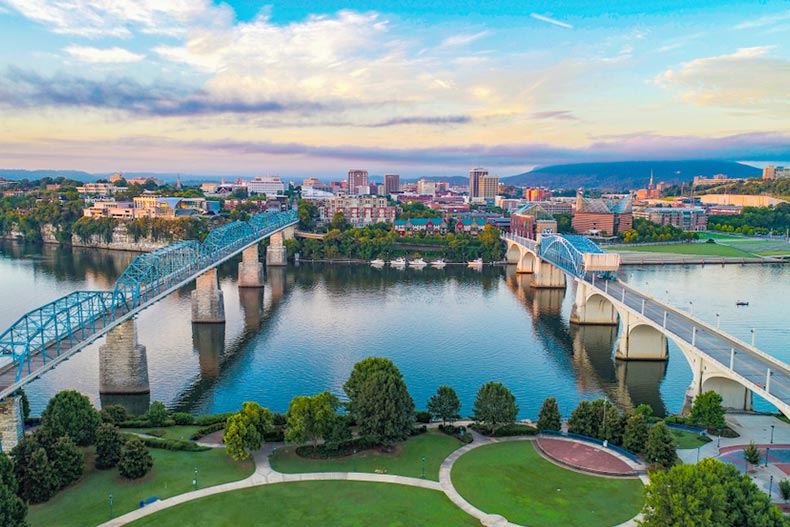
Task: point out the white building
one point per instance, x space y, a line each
269 185
426 187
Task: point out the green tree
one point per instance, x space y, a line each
339 222
244 430
752 454
135 460
114 413
307 214
549 417
784 489
445 404
108 446
71 413
35 475
311 418
385 410
156 414
707 494
707 410
67 461
12 509
660 446
25 402
583 420
361 372
645 410
338 432
635 433
495 406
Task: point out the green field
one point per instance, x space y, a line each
87 501
317 504
684 439
696 249
405 460
513 480
170 432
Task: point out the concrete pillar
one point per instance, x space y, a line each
123 364
526 262
276 255
547 276
250 269
208 305
135 403
12 423
513 254
640 341
209 341
591 308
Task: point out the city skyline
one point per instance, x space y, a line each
232 88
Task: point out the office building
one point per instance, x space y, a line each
269 185
357 179
489 187
475 183
391 183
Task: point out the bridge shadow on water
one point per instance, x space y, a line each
587 352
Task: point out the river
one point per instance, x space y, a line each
304 331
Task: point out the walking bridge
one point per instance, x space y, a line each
719 361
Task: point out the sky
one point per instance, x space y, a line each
412 87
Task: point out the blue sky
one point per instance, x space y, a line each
315 88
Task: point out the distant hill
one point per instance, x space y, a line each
17 174
628 174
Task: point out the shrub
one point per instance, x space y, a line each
176 445
509 430
206 420
419 430
108 446
458 432
114 414
135 460
183 418
71 413
133 423
156 414
206 430
423 416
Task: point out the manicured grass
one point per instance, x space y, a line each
405 460
171 432
316 504
513 480
684 439
774 253
87 501
696 249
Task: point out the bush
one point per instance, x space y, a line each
419 430
135 461
206 420
71 413
423 416
510 430
133 423
677 420
156 414
458 432
206 430
345 448
175 445
108 446
183 418
67 461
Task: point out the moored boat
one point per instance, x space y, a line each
398 262
418 262
378 262
475 263
438 264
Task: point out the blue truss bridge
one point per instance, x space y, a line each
42 338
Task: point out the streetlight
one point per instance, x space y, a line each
772 434
770 487
718 438
111 506
718 321
423 467
752 330
767 451
700 446
691 308
195 481
355 460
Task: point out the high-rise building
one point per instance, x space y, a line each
772 172
426 187
475 186
489 186
391 183
356 179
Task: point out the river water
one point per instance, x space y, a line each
304 331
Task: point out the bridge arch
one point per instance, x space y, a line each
641 341
593 307
734 394
513 254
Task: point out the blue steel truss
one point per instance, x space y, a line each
45 333
567 252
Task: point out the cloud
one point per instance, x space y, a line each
554 21
768 20
748 79
554 114
449 119
120 18
462 40
113 55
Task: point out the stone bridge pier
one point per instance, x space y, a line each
276 254
547 276
208 304
250 268
710 376
123 363
592 308
12 423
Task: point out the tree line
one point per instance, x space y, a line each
754 220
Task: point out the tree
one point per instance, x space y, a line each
361 372
707 494
156 414
338 432
707 410
244 430
307 214
385 410
444 404
25 402
549 417
71 413
114 413
339 222
635 433
495 406
12 509
311 418
135 460
660 446
108 446
752 454
67 461
583 420
784 489
645 410
35 476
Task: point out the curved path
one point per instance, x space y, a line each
265 475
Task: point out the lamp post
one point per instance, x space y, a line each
691 307
752 330
423 467
111 506
718 438
767 451
698 453
770 487
355 460
772 434
718 321
195 481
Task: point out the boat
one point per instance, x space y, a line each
398 262
475 263
438 264
741 303
378 262
417 262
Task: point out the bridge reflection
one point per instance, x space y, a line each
588 351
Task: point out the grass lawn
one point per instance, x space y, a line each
513 480
684 439
406 460
86 502
696 249
317 504
171 432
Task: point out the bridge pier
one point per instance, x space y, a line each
12 423
547 276
250 268
123 363
640 341
209 341
208 305
276 254
591 308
